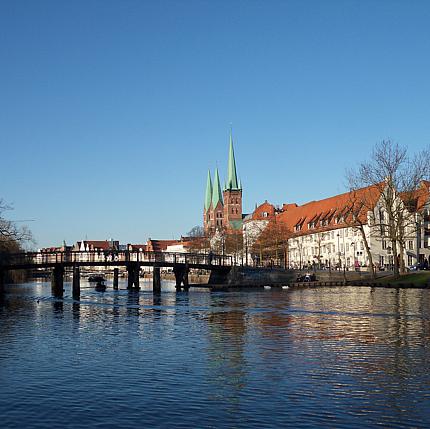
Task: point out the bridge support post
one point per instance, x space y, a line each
179 275
136 276
76 286
57 281
130 276
156 280
133 275
115 278
185 277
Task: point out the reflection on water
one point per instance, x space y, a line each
329 357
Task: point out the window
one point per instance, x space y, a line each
411 245
384 245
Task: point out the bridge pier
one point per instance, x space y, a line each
185 278
57 281
133 275
76 285
181 276
115 278
156 280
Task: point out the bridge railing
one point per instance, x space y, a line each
112 257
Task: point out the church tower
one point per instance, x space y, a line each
217 204
232 195
207 225
223 209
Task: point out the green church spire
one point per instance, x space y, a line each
232 182
208 196
216 192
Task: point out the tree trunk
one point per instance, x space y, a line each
369 253
402 259
395 259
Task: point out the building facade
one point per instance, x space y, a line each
342 230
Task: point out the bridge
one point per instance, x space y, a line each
181 263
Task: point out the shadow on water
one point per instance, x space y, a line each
58 307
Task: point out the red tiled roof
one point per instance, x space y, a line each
328 213
266 207
160 245
419 198
97 244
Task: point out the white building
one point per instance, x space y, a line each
329 232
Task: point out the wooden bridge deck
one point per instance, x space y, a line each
34 260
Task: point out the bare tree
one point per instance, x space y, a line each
397 176
273 241
12 236
196 231
356 216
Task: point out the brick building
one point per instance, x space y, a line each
223 209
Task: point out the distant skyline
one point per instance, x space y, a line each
112 112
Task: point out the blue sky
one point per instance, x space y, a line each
111 112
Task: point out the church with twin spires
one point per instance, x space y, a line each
223 209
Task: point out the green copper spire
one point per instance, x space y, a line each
208 196
216 193
232 175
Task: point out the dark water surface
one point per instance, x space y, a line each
327 357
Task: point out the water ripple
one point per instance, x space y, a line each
330 357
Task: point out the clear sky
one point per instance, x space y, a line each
111 112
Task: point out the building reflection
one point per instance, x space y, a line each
226 366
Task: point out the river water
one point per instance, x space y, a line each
303 358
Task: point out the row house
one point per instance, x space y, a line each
328 232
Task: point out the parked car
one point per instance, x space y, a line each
418 267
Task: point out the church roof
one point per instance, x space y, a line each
216 191
232 182
208 196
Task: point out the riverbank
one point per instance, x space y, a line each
417 280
